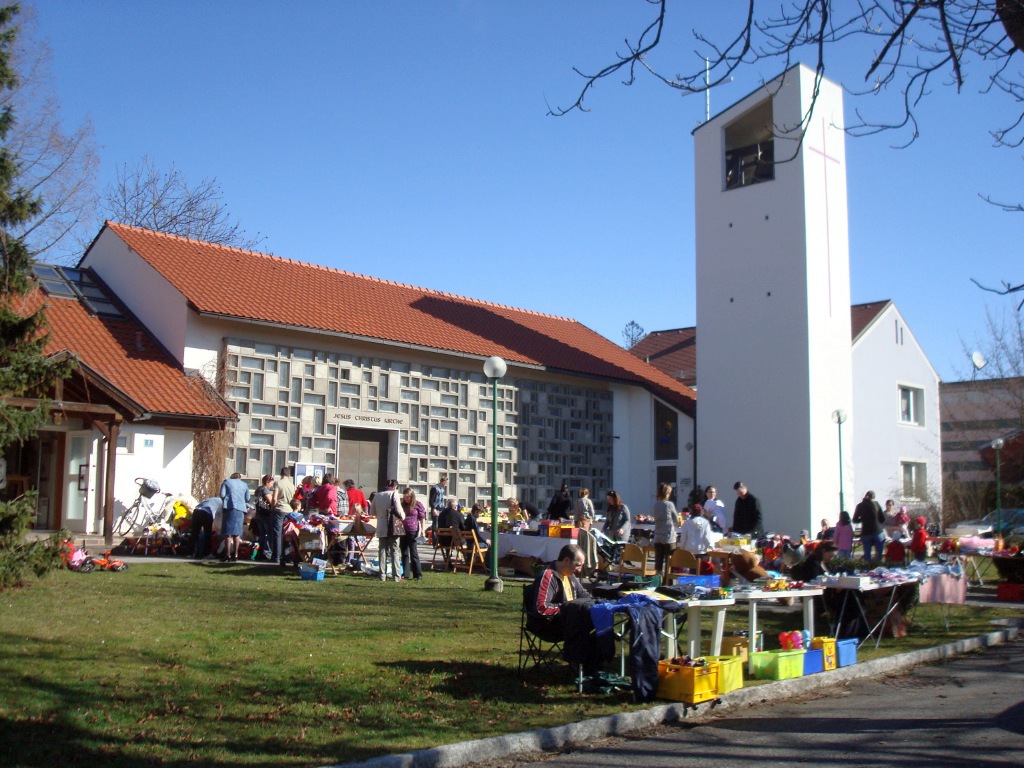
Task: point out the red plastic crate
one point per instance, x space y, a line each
1011 593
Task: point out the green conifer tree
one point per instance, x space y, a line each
25 371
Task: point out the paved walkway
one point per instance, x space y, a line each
967 711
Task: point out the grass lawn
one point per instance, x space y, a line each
239 665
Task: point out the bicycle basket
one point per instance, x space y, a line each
149 488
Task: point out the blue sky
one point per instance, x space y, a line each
410 141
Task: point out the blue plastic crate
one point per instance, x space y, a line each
311 575
710 581
846 652
814 661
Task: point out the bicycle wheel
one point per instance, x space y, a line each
128 520
87 567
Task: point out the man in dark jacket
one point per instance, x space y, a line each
746 516
560 507
871 518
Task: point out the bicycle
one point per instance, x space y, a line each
145 511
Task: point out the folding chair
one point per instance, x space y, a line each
470 550
634 561
540 643
682 560
445 541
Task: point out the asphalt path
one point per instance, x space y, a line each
968 711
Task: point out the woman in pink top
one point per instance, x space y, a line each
843 536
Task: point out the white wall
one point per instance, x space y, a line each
634 475
773 310
158 304
155 454
886 355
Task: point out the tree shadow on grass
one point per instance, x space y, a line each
467 680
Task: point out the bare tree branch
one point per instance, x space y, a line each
57 166
1006 290
144 196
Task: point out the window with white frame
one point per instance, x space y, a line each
126 443
915 479
912 406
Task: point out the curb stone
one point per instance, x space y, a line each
572 735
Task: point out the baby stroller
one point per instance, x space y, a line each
609 549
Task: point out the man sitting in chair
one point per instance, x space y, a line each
560 610
557 585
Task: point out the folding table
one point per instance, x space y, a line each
753 597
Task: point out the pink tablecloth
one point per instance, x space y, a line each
944 589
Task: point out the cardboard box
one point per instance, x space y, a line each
569 533
311 541
736 646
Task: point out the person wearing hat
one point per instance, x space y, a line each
919 541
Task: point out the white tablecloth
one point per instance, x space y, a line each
544 547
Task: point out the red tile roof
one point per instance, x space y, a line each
129 359
674 351
387 310
862 315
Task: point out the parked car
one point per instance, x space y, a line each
1006 520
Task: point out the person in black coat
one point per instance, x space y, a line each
746 517
560 507
871 518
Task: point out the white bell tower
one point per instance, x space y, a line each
773 302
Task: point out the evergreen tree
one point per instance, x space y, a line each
24 370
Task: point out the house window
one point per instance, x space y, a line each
666 433
912 406
750 148
915 479
125 443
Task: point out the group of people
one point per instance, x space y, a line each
884 534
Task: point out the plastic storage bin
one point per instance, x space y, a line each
778 665
1010 592
710 582
846 652
730 672
813 661
828 646
691 685
311 574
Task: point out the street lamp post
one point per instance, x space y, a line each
839 416
997 446
494 369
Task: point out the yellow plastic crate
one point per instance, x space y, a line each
734 542
778 665
691 685
828 645
730 672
